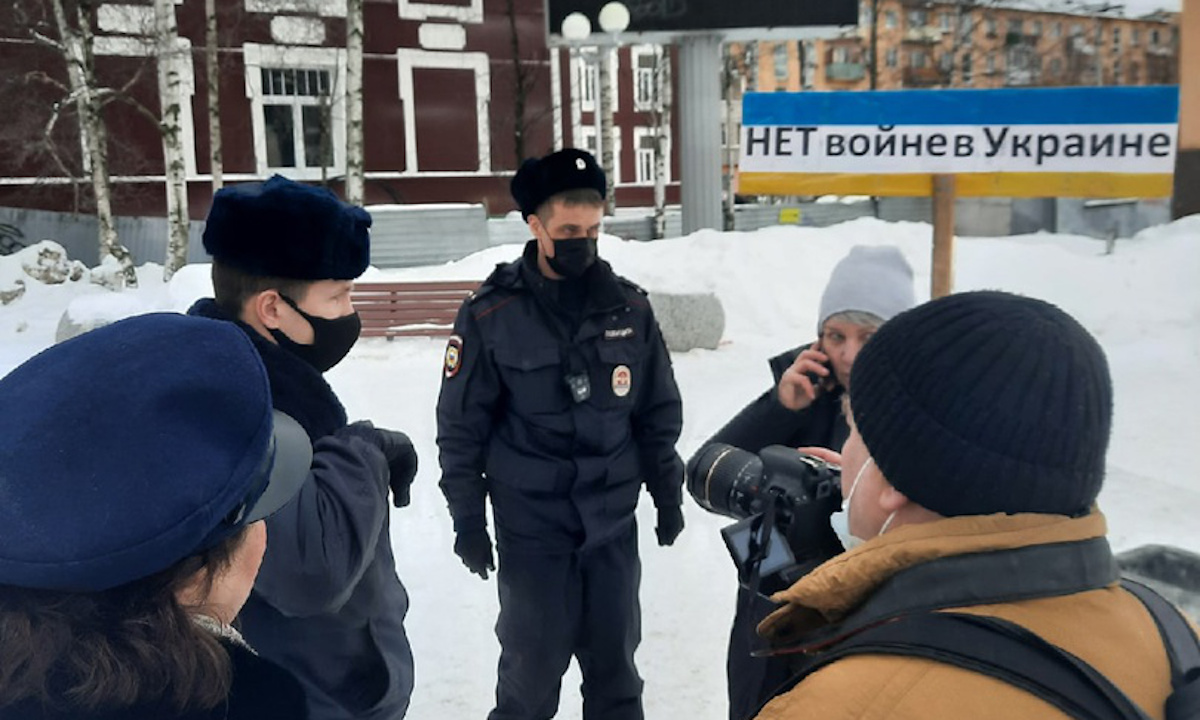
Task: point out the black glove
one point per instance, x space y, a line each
402 463
670 524
361 429
475 549
397 451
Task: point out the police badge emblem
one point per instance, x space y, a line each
622 380
453 356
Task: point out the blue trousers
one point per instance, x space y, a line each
555 606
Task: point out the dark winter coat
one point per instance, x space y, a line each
562 475
765 422
261 691
752 679
327 603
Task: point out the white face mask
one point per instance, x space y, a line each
840 520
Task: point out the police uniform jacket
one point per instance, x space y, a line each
560 421
1106 627
327 603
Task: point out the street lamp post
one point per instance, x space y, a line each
614 19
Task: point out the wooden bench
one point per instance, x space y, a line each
409 309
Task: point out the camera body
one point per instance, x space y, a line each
782 500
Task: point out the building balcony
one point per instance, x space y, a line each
845 72
1014 39
925 77
923 35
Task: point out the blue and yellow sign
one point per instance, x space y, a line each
1045 142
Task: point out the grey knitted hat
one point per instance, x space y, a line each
873 278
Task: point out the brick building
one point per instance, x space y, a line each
975 45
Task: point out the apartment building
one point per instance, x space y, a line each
970 45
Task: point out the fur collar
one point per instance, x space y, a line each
296 387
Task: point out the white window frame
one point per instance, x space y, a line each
322 8
309 58
780 53
585 71
639 74
408 59
639 155
585 78
413 10
587 141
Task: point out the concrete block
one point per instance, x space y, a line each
689 320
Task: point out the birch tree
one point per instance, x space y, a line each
75 43
607 139
355 181
170 82
212 69
661 116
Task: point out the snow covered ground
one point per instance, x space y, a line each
1142 302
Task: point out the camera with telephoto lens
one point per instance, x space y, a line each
782 500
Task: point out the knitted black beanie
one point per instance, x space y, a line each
986 402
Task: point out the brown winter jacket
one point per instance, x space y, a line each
1108 628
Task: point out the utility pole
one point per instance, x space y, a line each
1187 160
874 59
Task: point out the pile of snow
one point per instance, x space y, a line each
1142 302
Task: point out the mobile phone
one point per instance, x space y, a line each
816 378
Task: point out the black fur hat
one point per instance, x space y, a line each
539 179
282 228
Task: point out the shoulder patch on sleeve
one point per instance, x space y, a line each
479 293
453 356
632 285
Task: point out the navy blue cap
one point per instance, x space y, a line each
134 446
282 228
540 179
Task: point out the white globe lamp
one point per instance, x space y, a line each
614 17
576 27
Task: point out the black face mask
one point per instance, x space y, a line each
332 339
573 256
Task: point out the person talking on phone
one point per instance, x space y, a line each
804 409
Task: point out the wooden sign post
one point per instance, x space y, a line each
942 281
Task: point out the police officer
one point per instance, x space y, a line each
327 604
559 402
